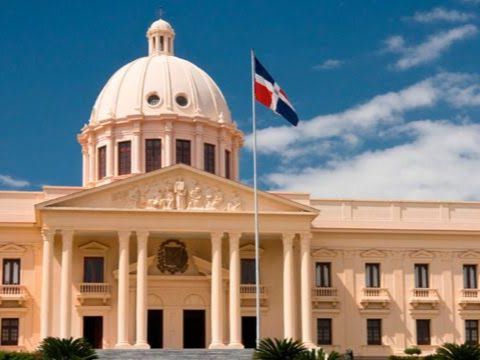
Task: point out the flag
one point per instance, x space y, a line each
270 94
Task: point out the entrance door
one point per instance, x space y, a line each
249 331
194 329
93 330
155 329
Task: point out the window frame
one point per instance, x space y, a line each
10 339
319 281
428 332
419 278
251 279
180 149
372 339
228 164
209 157
11 261
153 154
468 278
328 340
101 162
471 330
124 158
85 259
373 279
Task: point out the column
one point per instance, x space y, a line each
169 144
306 288
288 311
110 156
221 157
122 308
216 293
234 159
66 285
136 152
199 146
141 338
85 165
234 300
91 160
46 295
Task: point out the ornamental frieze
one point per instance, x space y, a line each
178 194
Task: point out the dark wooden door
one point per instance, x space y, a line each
194 329
93 330
249 330
155 329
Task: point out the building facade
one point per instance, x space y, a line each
156 248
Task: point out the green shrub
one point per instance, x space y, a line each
317 354
278 349
412 351
17 355
66 349
451 351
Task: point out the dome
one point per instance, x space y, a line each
160 84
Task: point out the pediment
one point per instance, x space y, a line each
324 253
176 188
470 254
93 246
422 254
372 253
12 248
247 251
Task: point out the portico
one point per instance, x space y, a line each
210 239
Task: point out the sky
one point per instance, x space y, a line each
388 92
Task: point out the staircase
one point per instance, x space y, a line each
186 354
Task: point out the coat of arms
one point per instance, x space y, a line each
172 257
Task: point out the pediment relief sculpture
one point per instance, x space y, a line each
470 254
419 254
372 253
324 253
178 194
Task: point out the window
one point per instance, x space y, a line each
421 276
153 154
471 332
183 152
247 267
153 100
374 332
423 332
10 331
469 276
11 272
124 158
372 275
228 170
209 157
93 270
181 100
324 331
161 43
102 162
322 275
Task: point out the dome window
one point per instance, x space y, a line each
153 100
181 100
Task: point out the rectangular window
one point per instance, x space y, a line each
421 276
153 154
183 152
374 332
228 165
247 267
102 162
372 275
469 276
93 269
423 332
323 275
209 157
124 158
9 332
471 332
324 331
11 272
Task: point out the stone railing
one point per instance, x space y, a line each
426 296
94 291
319 292
248 291
375 293
374 297
13 293
469 297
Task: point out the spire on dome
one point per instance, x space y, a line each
160 38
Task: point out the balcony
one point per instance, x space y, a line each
324 297
469 298
248 295
375 298
424 297
13 293
93 291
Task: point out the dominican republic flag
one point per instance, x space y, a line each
270 94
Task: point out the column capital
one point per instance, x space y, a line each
67 233
124 235
287 238
305 239
216 236
48 234
234 235
142 234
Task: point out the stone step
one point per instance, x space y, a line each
186 354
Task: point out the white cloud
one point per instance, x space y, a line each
329 64
388 108
442 14
430 49
441 162
8 181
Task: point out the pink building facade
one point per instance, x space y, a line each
155 250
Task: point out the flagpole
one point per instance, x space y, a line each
255 205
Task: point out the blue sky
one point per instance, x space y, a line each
388 91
